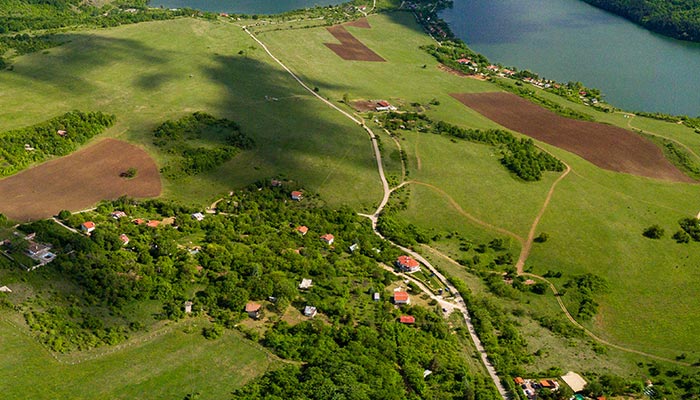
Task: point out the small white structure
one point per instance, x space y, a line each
188 307
310 311
87 226
5 289
328 238
354 247
375 296
198 216
118 214
574 380
305 284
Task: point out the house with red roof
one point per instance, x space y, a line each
253 309
87 226
139 221
328 238
407 264
297 195
153 224
302 229
407 319
124 239
383 105
401 298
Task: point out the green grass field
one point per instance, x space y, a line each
595 219
147 73
170 365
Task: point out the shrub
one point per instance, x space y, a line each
653 232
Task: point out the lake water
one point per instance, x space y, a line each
568 40
244 6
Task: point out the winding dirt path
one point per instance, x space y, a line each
527 246
630 116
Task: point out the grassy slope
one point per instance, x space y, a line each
167 366
595 218
150 72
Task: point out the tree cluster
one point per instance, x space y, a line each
21 147
199 143
679 18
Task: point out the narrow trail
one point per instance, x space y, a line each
629 124
527 245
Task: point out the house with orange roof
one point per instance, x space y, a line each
302 229
401 298
407 264
407 319
328 238
297 195
87 226
124 239
253 309
153 223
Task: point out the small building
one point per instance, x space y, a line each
124 239
87 226
575 381
276 183
401 298
61 132
383 105
5 289
376 296
302 229
519 381
305 284
37 250
253 309
549 384
407 319
153 224
198 216
310 311
354 247
118 214
297 195
139 221
328 238
407 264
188 307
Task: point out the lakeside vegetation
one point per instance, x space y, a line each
679 19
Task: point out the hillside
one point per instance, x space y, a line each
677 19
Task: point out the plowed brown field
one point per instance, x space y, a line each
349 47
606 146
79 180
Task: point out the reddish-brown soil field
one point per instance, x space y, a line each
349 47
364 105
78 181
606 146
359 23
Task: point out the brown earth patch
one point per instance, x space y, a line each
364 105
606 146
359 23
79 180
445 68
349 47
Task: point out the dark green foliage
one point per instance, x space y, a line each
654 232
679 18
199 142
213 332
64 215
16 145
681 236
541 238
581 290
691 226
520 156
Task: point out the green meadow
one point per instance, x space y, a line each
595 219
171 364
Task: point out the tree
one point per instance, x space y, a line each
542 237
654 232
681 236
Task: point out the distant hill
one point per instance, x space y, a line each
679 19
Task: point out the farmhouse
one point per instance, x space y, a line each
302 229
407 264
401 298
310 311
87 226
297 195
383 105
328 238
124 239
253 309
407 319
